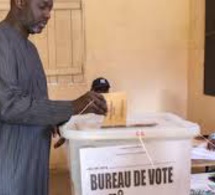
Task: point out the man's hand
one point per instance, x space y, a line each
90 102
61 140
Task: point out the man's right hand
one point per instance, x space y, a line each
90 102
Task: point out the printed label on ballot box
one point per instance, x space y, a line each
131 169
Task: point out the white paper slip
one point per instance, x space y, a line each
200 184
202 153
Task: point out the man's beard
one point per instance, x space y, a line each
33 29
36 27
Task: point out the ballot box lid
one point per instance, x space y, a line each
145 126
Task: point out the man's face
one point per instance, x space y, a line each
37 14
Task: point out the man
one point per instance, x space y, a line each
27 116
100 85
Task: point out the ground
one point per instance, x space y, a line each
59 182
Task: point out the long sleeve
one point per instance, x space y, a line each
18 104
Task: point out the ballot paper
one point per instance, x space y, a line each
117 109
201 152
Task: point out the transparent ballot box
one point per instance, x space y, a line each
150 158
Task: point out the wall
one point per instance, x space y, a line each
201 108
141 46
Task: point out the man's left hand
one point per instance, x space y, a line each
61 140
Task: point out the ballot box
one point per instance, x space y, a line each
150 156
